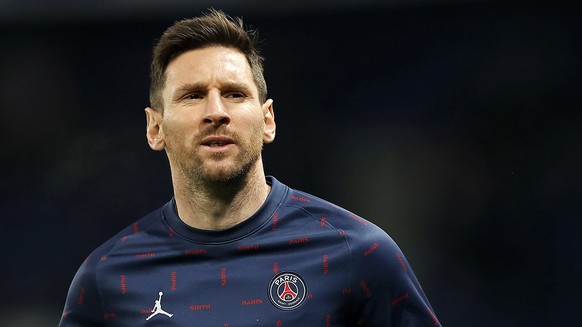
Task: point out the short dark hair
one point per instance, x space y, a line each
214 28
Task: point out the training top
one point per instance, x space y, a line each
298 261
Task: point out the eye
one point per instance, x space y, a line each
235 96
194 96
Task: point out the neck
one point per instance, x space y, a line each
219 205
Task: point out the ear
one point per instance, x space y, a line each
270 127
153 129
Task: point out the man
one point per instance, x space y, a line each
234 247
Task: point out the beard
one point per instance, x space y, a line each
218 169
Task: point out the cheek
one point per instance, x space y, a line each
173 132
255 128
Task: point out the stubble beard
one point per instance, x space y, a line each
218 171
215 171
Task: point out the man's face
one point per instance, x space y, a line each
213 126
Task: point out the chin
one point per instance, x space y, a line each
221 170
224 173
221 177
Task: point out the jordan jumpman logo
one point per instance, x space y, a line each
158 308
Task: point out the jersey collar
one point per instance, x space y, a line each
234 233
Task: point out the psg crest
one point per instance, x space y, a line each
287 291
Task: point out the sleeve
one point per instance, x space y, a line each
83 304
385 289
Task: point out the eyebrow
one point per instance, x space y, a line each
201 86
197 86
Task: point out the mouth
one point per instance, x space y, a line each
215 144
217 141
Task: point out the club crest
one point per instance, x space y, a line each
287 291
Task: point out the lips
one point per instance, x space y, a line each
217 141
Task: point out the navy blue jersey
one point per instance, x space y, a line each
298 261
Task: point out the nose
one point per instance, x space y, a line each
216 112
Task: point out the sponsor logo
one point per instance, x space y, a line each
157 309
287 291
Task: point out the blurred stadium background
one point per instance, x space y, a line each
454 125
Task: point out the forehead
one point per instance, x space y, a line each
210 65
